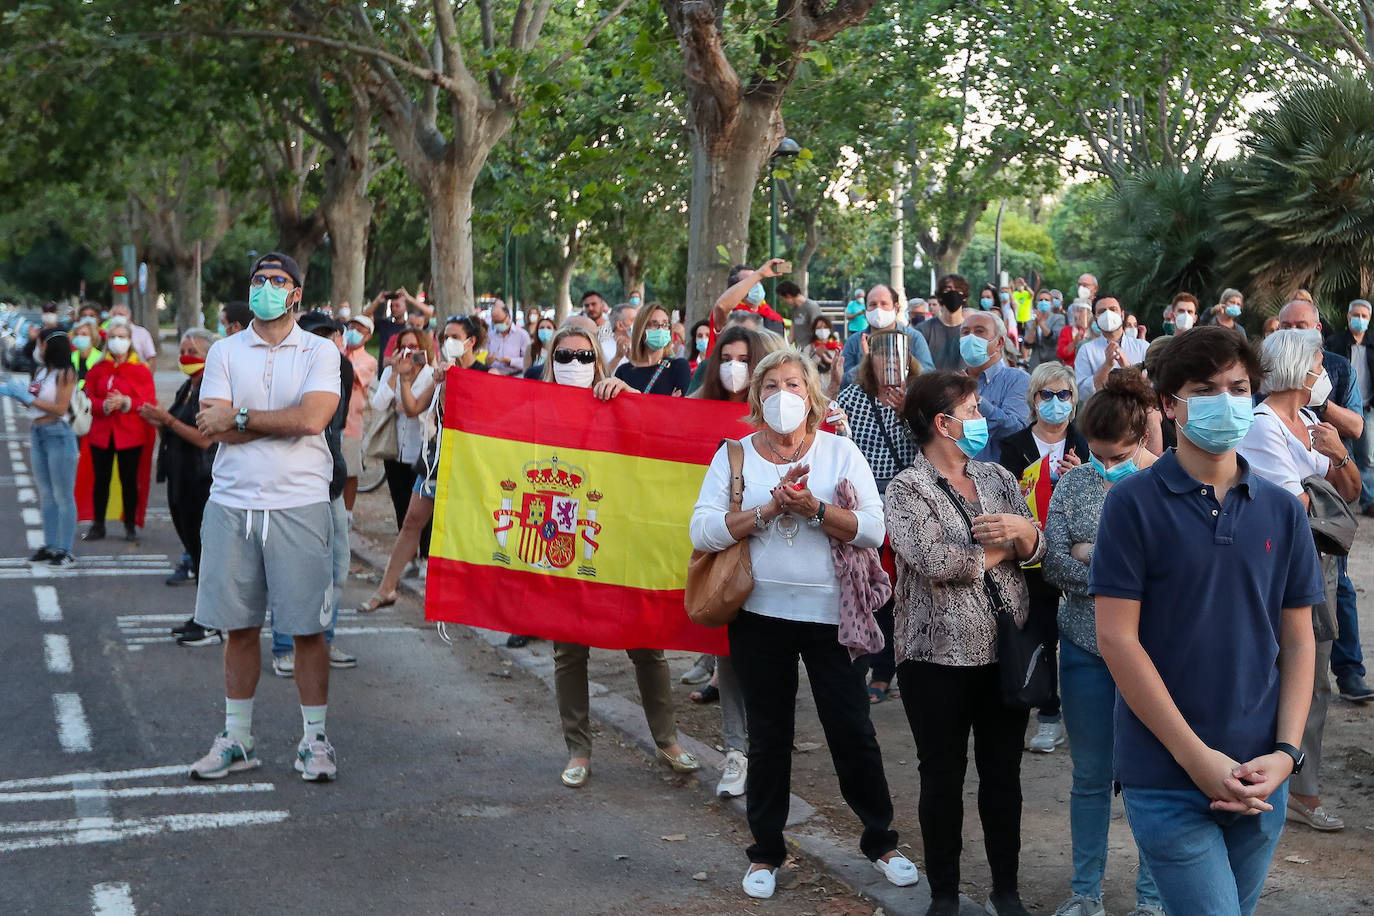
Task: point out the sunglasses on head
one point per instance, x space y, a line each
1045 394
585 357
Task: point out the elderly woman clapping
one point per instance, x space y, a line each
792 471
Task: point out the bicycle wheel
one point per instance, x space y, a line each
373 473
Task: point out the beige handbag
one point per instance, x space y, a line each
380 440
719 583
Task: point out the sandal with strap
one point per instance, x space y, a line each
376 603
708 694
876 695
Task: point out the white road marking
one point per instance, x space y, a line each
97 775
112 899
82 831
21 479
44 571
126 621
32 518
27 496
57 653
88 560
219 788
133 641
73 731
34 537
49 611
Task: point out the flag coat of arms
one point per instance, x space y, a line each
561 516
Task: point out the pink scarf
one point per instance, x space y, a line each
864 587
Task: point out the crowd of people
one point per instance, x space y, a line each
933 486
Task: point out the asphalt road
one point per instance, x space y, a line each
447 801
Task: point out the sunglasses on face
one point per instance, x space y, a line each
1046 395
585 357
260 280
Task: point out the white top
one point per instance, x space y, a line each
43 387
796 582
1357 362
1054 449
273 472
410 437
1277 455
1093 354
143 342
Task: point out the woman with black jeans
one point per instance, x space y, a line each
947 630
1038 456
117 386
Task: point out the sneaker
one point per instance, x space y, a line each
1005 903
181 628
514 641
733 775
1048 737
315 760
1081 905
760 884
338 658
197 635
42 555
697 674
62 560
94 533
130 533
181 574
1317 818
1147 909
1352 687
226 756
284 665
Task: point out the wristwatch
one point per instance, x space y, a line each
816 520
241 420
1299 758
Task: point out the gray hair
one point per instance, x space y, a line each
1045 375
1354 302
1228 293
750 320
206 337
118 321
999 329
619 311
1288 355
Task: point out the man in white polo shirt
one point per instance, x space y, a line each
267 395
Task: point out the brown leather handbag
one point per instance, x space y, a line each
719 583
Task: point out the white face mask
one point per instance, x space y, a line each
881 318
784 412
822 333
734 376
1321 390
1084 293
574 374
1183 321
118 345
1109 321
454 348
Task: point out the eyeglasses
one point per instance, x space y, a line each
1045 394
585 357
262 280
657 326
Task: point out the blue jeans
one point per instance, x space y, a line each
1205 861
55 454
1364 460
1346 656
1087 694
283 644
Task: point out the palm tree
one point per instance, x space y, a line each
1298 209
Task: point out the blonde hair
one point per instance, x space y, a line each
812 379
562 334
638 348
1050 372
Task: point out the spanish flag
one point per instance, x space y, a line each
561 516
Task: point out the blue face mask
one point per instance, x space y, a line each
1233 311
975 437
1043 305
1054 411
1217 422
634 300
353 337
1116 472
501 327
1058 301
1096 329
658 338
1359 325
268 302
221 329
545 335
755 294
985 302
973 349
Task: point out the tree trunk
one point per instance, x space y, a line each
630 265
726 162
150 311
562 297
450 237
300 238
348 215
801 270
186 290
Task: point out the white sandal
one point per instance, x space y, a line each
899 870
760 884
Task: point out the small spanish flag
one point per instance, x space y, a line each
561 516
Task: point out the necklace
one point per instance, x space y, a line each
787 524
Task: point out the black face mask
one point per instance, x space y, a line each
952 299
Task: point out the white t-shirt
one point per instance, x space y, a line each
410 436
794 582
1279 457
1054 449
1093 354
274 472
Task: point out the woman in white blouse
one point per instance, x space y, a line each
1285 444
411 364
791 470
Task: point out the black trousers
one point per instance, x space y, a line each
884 663
1044 620
186 499
764 651
102 464
400 482
942 704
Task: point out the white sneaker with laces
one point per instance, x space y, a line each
1080 905
1048 737
284 665
226 756
338 658
733 775
315 759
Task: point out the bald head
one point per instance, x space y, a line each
1299 314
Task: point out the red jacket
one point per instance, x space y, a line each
132 378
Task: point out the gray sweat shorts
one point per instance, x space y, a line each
259 560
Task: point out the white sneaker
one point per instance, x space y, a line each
697 674
899 870
315 759
760 884
284 665
1080 905
732 778
1048 737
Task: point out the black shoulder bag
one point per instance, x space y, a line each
1026 676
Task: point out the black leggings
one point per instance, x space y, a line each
186 500
400 481
102 463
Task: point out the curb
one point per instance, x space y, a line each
807 833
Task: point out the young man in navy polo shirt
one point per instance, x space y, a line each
1204 576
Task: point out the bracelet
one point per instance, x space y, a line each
1344 462
759 523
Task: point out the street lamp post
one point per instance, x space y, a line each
786 148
